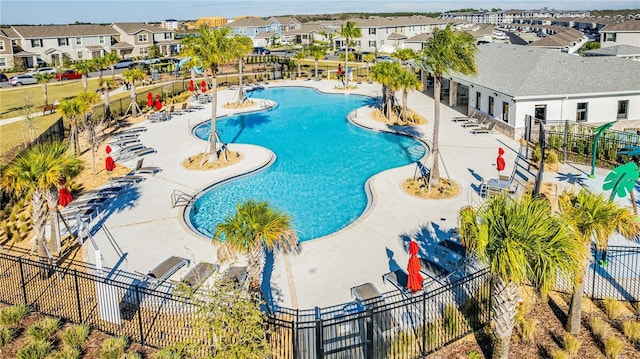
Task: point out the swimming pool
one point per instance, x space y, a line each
323 161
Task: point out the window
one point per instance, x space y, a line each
36 43
143 38
505 111
79 55
78 41
168 36
541 113
478 99
3 62
144 51
610 37
1 45
372 31
63 41
242 30
490 106
372 44
623 108
581 112
101 39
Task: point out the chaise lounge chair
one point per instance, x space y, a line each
165 269
484 129
198 274
237 274
144 170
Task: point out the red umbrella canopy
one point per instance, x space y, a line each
203 86
158 103
108 149
414 282
149 96
109 163
500 163
413 248
191 86
150 101
64 196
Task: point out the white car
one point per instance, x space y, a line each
43 70
24 79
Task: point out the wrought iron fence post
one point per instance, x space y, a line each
139 314
24 285
369 334
319 345
424 324
75 278
595 268
294 336
564 141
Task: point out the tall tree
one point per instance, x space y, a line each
446 51
131 76
245 47
214 47
37 171
368 59
112 58
299 56
405 54
44 78
254 227
106 84
348 31
407 81
86 101
593 218
317 52
521 241
84 68
99 63
386 74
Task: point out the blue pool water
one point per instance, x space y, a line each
323 161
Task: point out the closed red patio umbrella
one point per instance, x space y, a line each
191 86
203 86
500 163
149 99
64 196
158 103
109 163
414 282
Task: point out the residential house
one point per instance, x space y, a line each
7 37
134 39
33 45
569 40
621 33
257 29
624 51
515 81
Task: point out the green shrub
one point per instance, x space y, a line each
552 157
13 315
6 335
571 344
631 330
452 320
134 355
613 308
75 336
44 329
528 331
598 327
559 354
473 355
613 347
113 348
66 353
35 350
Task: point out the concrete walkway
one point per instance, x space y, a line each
147 229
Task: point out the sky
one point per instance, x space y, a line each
99 11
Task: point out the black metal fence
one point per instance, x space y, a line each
395 325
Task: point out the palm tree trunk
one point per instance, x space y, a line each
405 97
107 105
434 177
213 146
113 72
132 95
575 308
52 202
46 95
38 215
504 300
346 67
255 265
73 136
240 91
85 83
389 102
316 69
299 70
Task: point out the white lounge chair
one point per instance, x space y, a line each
165 269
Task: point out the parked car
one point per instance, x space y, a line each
123 64
384 58
43 70
68 75
24 79
341 51
261 51
3 78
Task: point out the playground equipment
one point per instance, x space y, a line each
196 69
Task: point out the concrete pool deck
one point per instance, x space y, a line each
147 229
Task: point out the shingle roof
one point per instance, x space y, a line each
396 36
522 71
629 25
420 37
135 27
617 50
122 45
561 39
52 31
377 21
251 22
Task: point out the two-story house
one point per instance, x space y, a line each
262 31
134 39
34 45
621 33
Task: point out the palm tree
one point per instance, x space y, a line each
84 68
386 74
70 109
105 85
594 218
100 63
254 227
214 47
245 47
317 52
405 54
407 81
86 101
446 51
110 59
37 171
44 79
131 76
368 59
348 31
521 241
299 56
